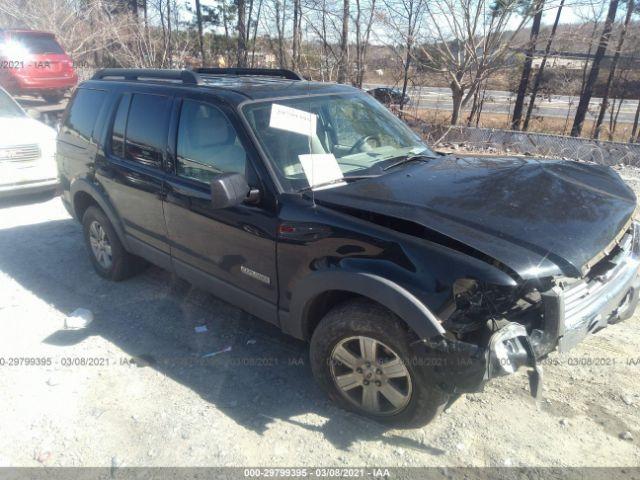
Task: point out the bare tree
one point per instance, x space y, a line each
241 58
297 34
343 65
227 22
589 12
543 63
468 41
280 19
635 134
538 6
363 34
200 35
403 19
72 27
604 105
169 34
324 19
255 33
585 98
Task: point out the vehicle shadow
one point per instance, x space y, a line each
17 200
243 366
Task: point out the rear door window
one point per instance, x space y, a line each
146 130
119 126
83 113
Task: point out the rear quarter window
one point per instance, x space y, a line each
82 116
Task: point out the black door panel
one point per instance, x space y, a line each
136 193
229 244
235 245
134 171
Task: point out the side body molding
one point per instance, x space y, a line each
389 294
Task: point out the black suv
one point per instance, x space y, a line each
416 277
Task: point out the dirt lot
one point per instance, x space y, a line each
148 398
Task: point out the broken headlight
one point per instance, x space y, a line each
477 305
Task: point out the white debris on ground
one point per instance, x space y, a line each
79 318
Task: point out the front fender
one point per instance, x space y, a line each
381 290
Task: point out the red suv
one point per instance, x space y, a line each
34 63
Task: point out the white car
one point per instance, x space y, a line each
27 151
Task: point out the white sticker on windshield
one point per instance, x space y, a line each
292 120
321 169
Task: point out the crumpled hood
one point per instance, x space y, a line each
24 131
537 217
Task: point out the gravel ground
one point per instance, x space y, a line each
148 398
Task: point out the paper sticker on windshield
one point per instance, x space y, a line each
292 120
321 169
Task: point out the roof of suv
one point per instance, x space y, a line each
237 85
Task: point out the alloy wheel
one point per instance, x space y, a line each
100 245
371 375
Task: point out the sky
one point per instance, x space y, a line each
570 13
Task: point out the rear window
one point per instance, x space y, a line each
38 44
83 113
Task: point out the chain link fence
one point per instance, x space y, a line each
486 140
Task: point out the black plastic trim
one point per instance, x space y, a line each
389 294
187 77
150 253
263 72
227 292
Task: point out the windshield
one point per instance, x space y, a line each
8 106
353 131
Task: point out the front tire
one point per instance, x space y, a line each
361 355
108 256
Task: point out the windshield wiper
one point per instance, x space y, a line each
410 158
351 178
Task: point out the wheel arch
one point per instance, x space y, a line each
84 195
319 292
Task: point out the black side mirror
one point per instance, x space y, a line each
229 189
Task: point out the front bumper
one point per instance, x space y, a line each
609 294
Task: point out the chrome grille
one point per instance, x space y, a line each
583 298
19 153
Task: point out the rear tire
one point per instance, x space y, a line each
399 390
108 256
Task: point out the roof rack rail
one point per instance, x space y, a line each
135 74
264 72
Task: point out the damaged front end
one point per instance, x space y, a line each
493 331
